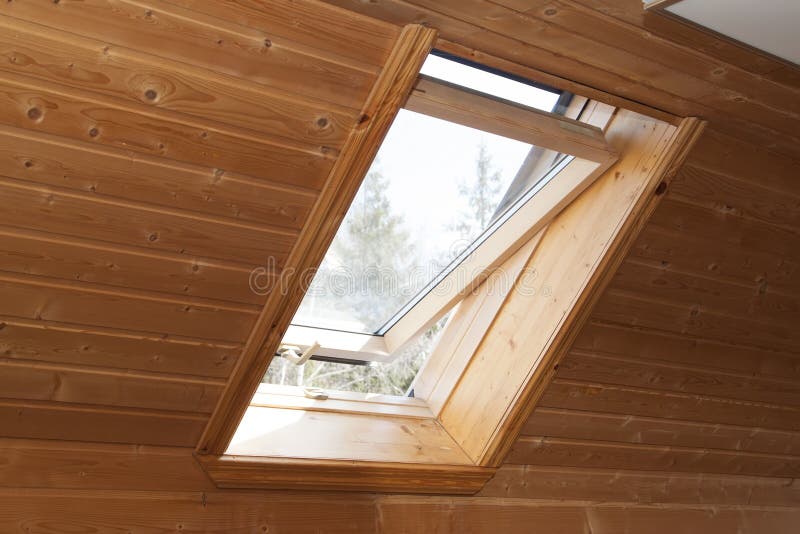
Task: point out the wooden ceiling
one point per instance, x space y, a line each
151 156
154 152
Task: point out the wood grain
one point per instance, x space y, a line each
207 42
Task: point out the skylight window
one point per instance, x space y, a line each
486 82
465 175
433 189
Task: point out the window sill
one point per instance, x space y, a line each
345 445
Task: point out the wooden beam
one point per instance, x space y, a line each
547 130
344 475
387 96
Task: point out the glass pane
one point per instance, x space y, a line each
433 189
392 378
489 83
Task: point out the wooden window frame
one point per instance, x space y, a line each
588 156
490 365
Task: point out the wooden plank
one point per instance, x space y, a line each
386 97
630 371
756 303
50 108
628 308
614 455
694 37
163 29
86 214
560 423
313 23
47 341
400 515
654 345
575 395
24 380
67 258
639 487
724 154
683 66
56 161
103 512
71 465
37 298
562 52
719 192
726 228
49 420
547 130
708 257
132 76
344 475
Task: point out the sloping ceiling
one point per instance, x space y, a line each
154 152
151 156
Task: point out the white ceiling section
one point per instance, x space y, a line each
769 25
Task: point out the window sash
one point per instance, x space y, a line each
588 157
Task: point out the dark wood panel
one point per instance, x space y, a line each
49 420
55 256
559 423
399 515
49 108
210 512
629 308
583 396
710 257
641 487
78 214
161 29
46 341
31 297
630 371
61 162
61 464
727 229
723 153
98 386
720 192
646 344
756 303
132 76
613 455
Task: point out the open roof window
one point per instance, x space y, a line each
469 170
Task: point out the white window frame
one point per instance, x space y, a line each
588 156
